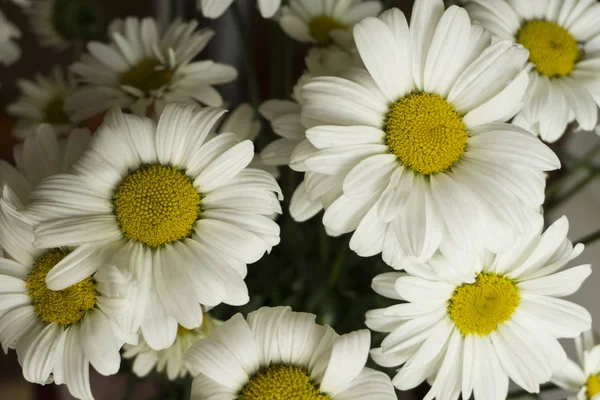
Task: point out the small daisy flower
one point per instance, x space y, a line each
321 21
176 212
583 379
142 67
170 359
281 354
9 51
563 39
418 143
469 324
42 101
215 8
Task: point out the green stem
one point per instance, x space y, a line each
592 237
543 388
582 164
337 265
250 64
555 202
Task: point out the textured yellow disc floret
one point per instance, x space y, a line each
54 112
552 48
156 205
320 27
281 382
148 74
478 308
425 132
65 307
593 385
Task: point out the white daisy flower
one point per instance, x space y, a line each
417 143
280 354
469 324
42 101
170 359
563 39
9 51
176 212
215 8
142 68
321 21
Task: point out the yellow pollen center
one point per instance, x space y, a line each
147 75
66 306
281 382
54 111
552 48
425 133
156 205
593 385
478 308
320 27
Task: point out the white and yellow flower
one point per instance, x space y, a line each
9 50
470 323
563 39
215 8
178 213
582 379
418 144
280 354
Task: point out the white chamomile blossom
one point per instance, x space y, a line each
563 39
170 359
417 143
44 16
470 323
281 354
322 21
178 212
284 116
9 51
582 379
141 69
42 101
215 8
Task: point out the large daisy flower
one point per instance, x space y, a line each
141 68
42 101
418 143
180 214
582 379
469 325
280 354
9 51
215 8
563 39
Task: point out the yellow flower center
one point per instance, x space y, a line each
54 111
66 306
320 27
156 205
281 382
425 132
593 385
147 75
181 331
478 308
552 48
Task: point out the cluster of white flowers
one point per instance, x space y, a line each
424 141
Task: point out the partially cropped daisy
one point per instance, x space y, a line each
418 143
324 22
9 50
583 379
142 68
215 8
175 211
563 39
42 101
469 324
281 354
170 359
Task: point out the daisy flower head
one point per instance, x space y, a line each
176 209
418 143
143 68
563 39
215 8
9 51
583 379
324 22
43 101
280 354
468 324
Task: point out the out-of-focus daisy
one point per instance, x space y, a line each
563 39
419 144
582 379
169 359
215 8
469 324
142 67
42 101
280 354
171 207
321 21
9 51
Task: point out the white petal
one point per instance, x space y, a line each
99 343
348 357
